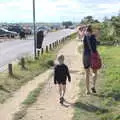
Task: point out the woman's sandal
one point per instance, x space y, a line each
93 90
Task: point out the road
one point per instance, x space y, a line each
12 50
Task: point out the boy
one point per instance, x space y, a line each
61 73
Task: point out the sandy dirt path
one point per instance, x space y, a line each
47 106
13 104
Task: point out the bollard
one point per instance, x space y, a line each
42 51
38 53
56 43
10 71
59 41
23 63
50 46
53 45
47 49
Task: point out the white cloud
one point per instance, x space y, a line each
108 8
56 10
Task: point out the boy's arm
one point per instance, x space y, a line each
68 74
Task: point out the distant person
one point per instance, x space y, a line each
89 43
22 35
61 74
40 37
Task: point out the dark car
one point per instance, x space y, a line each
15 28
45 29
7 33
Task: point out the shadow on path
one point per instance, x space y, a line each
86 107
90 107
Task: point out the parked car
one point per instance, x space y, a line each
15 28
56 27
44 29
72 27
7 33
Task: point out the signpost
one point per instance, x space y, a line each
35 41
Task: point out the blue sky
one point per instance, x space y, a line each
57 10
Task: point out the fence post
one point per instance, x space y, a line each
47 49
10 71
23 63
38 53
59 41
63 40
53 45
42 50
50 47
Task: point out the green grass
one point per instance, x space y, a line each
111 57
32 97
105 105
34 67
10 84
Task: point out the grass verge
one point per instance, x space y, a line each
32 97
105 105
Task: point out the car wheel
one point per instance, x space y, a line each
12 36
8 36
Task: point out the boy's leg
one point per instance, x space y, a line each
60 90
64 89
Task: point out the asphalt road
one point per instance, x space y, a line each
15 49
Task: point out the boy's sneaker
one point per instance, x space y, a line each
88 93
61 100
93 90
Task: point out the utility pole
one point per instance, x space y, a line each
34 25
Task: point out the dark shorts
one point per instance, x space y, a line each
86 61
63 82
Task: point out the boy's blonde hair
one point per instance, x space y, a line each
61 57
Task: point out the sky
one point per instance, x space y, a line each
57 10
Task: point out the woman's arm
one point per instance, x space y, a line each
93 43
68 74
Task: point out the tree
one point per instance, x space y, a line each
89 20
96 21
110 29
67 24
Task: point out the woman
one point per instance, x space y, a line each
89 43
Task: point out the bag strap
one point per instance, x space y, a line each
89 45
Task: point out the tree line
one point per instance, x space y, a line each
109 28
